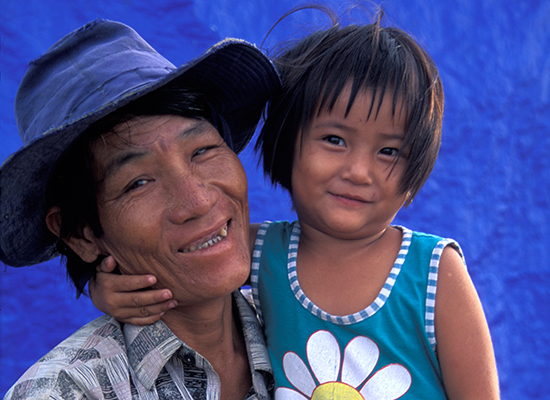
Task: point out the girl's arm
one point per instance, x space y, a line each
126 297
464 346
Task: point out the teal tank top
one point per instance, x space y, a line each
386 351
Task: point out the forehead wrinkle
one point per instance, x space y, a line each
137 151
123 159
196 129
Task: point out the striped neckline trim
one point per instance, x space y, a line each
351 318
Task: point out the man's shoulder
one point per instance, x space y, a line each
97 340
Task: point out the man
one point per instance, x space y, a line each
127 156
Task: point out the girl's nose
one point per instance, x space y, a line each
190 198
358 169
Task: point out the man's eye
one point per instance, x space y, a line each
203 150
137 184
335 140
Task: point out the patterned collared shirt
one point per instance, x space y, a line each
103 360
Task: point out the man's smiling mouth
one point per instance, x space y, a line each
207 243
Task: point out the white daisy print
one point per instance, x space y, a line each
331 376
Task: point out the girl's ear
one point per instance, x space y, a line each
85 247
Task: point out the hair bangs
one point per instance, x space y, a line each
319 68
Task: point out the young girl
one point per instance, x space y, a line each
354 307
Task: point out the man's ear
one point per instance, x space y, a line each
85 247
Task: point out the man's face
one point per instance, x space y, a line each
172 201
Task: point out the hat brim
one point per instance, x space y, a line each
234 75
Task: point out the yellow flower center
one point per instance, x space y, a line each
334 391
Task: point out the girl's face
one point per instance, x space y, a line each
341 181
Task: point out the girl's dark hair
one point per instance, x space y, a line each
314 73
72 186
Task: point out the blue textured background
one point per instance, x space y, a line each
490 188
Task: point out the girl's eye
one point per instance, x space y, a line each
335 140
389 151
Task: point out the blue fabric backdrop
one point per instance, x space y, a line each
490 188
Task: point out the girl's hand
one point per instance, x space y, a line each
124 298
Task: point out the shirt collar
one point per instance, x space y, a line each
150 347
258 356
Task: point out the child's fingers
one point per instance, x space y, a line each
109 292
156 309
108 264
147 298
144 315
121 283
130 283
113 283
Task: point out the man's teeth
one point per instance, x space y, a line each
210 242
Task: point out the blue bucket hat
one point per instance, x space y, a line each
90 73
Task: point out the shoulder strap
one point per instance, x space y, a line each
255 267
432 286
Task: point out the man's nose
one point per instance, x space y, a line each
190 197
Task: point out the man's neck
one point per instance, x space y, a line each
214 331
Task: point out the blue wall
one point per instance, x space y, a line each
490 189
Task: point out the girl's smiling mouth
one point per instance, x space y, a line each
349 197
